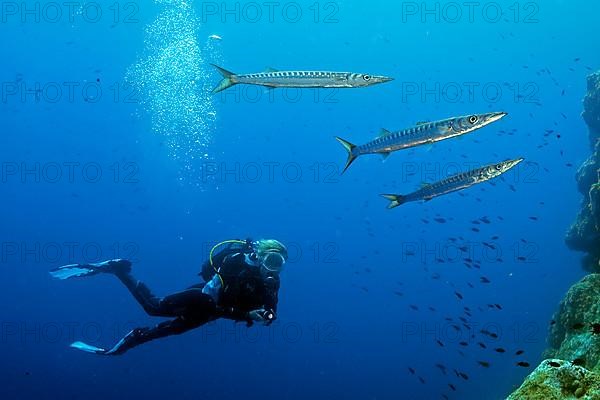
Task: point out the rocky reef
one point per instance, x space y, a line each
557 379
584 234
572 366
575 332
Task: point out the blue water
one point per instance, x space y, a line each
155 169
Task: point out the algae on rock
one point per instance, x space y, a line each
557 379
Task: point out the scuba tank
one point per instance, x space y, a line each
211 267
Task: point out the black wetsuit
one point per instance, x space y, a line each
244 290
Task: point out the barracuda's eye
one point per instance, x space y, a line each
367 77
473 119
498 167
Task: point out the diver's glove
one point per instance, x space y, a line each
261 315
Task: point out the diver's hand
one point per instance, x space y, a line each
257 315
262 315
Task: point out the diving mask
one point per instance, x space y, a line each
272 262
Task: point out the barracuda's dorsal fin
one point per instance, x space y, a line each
271 69
384 132
422 123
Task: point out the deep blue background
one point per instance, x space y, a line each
343 332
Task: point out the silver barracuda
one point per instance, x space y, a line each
453 183
423 133
299 79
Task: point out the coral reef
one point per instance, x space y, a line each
584 234
557 379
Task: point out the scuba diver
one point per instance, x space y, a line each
241 283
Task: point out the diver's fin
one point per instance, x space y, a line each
385 155
384 132
88 348
349 147
227 79
271 69
81 270
73 271
395 199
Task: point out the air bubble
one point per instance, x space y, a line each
172 78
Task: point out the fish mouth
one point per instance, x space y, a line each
513 163
493 117
382 79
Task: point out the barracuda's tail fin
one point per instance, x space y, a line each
395 200
349 147
227 81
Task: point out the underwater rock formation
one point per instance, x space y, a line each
556 379
591 105
575 333
572 368
595 203
584 234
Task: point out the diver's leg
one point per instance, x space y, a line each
142 293
169 306
168 328
188 302
192 308
140 336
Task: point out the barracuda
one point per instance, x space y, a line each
299 79
423 133
453 183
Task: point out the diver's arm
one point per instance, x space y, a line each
214 288
261 315
235 315
231 267
267 314
272 295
